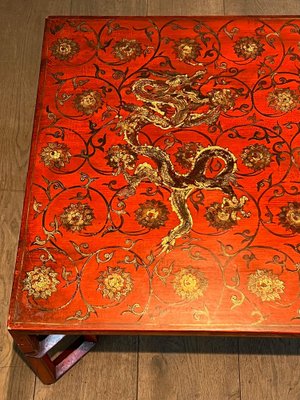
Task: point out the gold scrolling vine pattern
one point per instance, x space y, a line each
162 166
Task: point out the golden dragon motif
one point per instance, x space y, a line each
178 94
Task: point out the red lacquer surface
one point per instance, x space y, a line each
163 186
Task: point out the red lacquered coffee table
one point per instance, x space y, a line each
163 186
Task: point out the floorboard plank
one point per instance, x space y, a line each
188 368
109 7
262 7
10 218
268 369
17 383
179 7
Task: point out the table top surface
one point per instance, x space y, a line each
163 184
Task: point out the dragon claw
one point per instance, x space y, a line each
167 244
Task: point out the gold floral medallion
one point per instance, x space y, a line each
190 284
289 216
55 155
222 98
152 214
127 50
187 49
225 215
265 285
41 282
256 157
283 100
248 48
120 157
88 102
64 49
76 217
115 283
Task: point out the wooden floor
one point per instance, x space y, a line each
121 368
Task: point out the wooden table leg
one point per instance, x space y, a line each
48 370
